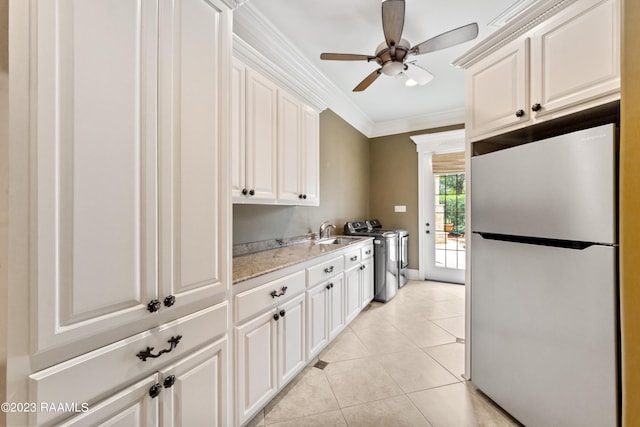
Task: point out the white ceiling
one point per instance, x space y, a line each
354 26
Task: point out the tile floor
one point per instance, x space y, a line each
397 364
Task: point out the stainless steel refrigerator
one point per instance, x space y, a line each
544 289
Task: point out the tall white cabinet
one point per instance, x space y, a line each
126 195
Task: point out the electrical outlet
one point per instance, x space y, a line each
400 208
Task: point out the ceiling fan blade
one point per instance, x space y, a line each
346 57
368 80
448 39
392 21
418 74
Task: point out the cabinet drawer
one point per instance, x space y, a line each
366 252
268 295
98 374
352 258
320 272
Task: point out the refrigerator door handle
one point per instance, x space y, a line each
540 241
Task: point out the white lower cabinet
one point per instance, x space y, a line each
366 278
284 319
352 300
358 281
190 392
269 352
325 314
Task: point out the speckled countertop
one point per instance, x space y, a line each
248 266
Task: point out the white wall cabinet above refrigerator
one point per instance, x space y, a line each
562 65
275 143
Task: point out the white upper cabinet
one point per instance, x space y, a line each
275 143
253 136
565 64
126 167
498 90
576 56
297 151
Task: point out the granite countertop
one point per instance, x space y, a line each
252 265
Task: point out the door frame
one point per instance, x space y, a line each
427 145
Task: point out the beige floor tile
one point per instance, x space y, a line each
327 419
367 318
360 381
385 339
415 370
451 356
396 411
258 420
453 325
459 405
449 308
425 333
346 346
309 393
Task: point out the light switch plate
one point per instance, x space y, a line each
400 208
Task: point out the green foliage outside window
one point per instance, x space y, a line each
452 190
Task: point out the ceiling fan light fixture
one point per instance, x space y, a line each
410 82
392 68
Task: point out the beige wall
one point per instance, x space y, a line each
630 214
394 181
4 188
344 190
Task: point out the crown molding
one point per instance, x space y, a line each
234 4
257 43
440 142
415 123
516 27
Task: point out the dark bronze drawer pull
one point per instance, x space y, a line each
328 270
275 294
144 355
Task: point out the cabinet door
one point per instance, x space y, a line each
237 131
367 281
132 407
498 90
195 389
317 308
310 161
352 299
191 211
256 358
94 164
290 144
261 139
291 339
336 307
576 55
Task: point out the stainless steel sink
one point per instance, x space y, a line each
338 240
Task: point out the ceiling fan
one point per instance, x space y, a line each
392 54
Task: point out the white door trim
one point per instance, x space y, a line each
428 144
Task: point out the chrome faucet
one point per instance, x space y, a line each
325 230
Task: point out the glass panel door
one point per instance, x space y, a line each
445 227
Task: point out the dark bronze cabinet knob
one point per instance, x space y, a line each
155 390
519 113
154 305
328 286
276 317
245 191
169 381
252 192
304 196
169 301
282 313
536 107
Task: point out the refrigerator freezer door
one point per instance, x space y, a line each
560 188
543 326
